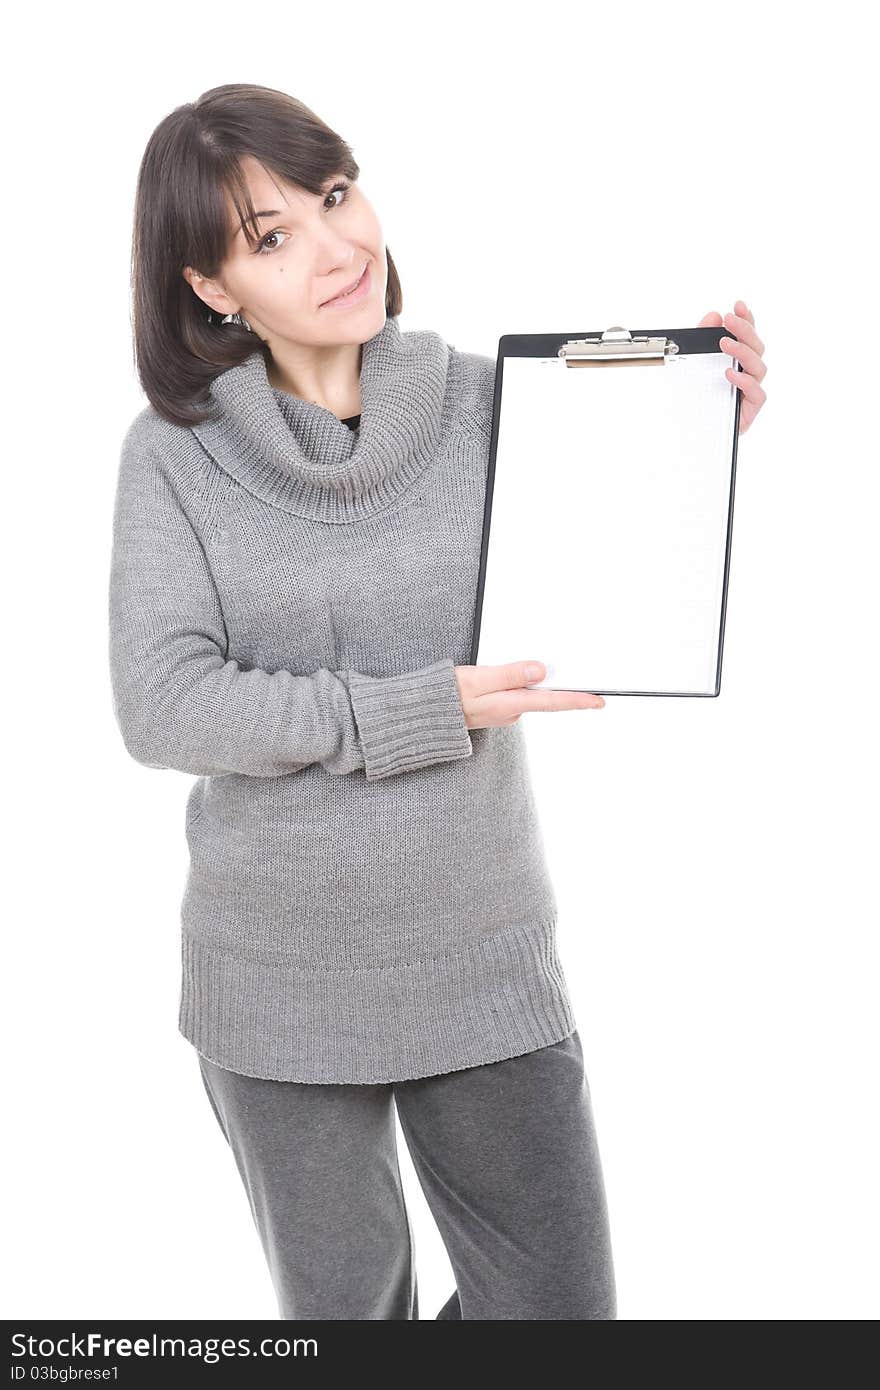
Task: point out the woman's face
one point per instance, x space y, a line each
311 247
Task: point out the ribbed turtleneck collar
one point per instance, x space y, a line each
302 457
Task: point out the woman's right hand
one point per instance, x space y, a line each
496 695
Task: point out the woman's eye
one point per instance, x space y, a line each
264 246
339 188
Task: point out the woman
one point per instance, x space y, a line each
368 920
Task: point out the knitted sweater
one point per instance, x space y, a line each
367 898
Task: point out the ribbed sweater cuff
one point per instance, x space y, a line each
409 721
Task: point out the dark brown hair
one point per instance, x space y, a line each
181 219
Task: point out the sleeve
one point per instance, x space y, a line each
180 704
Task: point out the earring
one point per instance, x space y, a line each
237 318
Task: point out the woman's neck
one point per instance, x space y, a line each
341 396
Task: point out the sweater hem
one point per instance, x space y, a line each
503 996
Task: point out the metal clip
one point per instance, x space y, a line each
618 348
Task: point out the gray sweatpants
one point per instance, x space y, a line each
506 1155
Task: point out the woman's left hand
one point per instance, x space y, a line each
748 349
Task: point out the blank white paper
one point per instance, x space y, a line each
609 522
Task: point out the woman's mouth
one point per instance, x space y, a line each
359 292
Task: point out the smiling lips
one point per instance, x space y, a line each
347 289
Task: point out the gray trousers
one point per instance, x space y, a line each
506 1155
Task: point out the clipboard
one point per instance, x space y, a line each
608 516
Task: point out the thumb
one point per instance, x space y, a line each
507 677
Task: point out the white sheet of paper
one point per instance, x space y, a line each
609 523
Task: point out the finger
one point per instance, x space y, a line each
752 392
742 309
541 700
510 676
711 320
744 330
750 359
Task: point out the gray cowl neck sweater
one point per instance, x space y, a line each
367 897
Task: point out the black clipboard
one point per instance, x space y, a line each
613 349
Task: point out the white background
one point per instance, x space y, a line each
574 165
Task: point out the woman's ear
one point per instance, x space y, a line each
208 291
